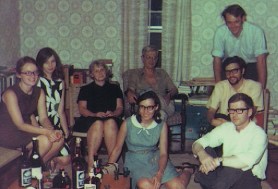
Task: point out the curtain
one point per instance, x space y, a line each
134 32
176 38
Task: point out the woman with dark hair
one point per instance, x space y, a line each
145 135
52 83
18 105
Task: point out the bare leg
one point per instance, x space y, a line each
54 150
94 138
110 134
144 183
44 145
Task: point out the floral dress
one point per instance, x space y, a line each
53 93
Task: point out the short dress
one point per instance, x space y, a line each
99 99
10 135
143 154
53 92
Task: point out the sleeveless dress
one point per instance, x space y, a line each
143 154
53 92
10 135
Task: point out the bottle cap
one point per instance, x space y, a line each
78 139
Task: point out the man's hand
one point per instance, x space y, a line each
131 97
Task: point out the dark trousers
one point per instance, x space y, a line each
251 72
227 177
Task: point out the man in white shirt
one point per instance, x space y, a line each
234 68
244 158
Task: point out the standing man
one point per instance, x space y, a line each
244 143
237 37
234 69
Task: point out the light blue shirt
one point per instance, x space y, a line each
250 44
249 145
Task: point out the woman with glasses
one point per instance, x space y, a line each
145 135
51 81
17 108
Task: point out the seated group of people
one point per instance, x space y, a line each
34 106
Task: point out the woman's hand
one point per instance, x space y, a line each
157 180
54 135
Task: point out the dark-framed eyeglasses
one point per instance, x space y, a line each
148 108
238 111
232 71
29 73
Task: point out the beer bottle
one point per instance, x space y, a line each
62 180
25 169
78 167
35 159
97 171
90 181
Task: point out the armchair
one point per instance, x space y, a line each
174 121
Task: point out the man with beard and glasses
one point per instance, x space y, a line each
234 69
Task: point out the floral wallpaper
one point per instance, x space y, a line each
83 30
205 19
79 31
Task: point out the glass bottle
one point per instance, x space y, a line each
97 171
35 159
62 180
90 181
25 169
78 167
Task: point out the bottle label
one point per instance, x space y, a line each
80 176
26 177
90 186
36 171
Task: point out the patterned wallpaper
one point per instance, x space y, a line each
205 19
79 31
82 30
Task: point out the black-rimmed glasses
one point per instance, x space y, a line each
238 111
148 108
28 73
232 71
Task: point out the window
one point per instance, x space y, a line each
155 26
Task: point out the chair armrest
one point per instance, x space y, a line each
183 97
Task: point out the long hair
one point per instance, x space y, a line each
150 95
43 55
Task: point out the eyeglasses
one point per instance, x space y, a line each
28 73
150 58
148 108
232 71
238 111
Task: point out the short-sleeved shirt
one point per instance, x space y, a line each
223 91
138 83
100 98
250 44
249 145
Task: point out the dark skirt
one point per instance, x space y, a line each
82 124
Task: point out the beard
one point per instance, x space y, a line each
234 80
